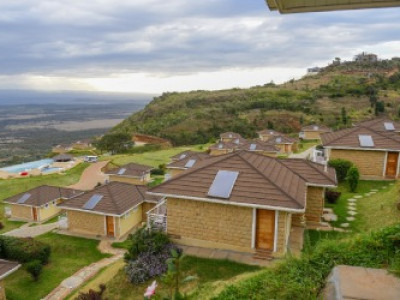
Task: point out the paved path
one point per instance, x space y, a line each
26 231
86 273
91 176
304 155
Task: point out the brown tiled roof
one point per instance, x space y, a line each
259 146
223 146
262 181
181 164
378 124
7 267
239 141
349 138
270 132
230 135
117 198
316 127
281 139
43 194
131 169
183 155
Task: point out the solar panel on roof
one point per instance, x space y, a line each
24 198
190 163
182 156
236 141
366 141
253 147
223 184
389 126
220 146
92 202
278 140
122 171
316 127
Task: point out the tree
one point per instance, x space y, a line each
92 294
373 99
379 107
115 142
34 268
353 177
344 116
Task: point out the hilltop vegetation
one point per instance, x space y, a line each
335 97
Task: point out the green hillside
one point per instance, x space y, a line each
336 96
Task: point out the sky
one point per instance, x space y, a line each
154 46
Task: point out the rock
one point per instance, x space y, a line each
328 210
384 187
357 196
352 213
352 200
352 208
344 225
330 217
374 190
350 219
352 204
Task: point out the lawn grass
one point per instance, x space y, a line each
152 158
68 255
313 237
305 145
341 209
206 270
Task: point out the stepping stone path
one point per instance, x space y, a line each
384 187
352 208
352 213
374 190
391 183
350 219
345 225
330 217
352 200
358 196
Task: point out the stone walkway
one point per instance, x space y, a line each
71 283
91 176
26 231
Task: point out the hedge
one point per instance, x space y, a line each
23 249
341 166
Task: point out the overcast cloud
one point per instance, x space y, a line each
154 45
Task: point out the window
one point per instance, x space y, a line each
46 205
54 202
253 147
182 156
389 126
92 202
366 141
122 171
24 198
223 184
316 127
220 146
190 163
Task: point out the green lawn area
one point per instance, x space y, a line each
69 254
304 145
208 272
152 158
373 202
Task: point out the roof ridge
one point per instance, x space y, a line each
273 183
351 130
312 164
112 198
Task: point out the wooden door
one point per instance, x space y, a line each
265 229
110 225
391 164
34 213
286 148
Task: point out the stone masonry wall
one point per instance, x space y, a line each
369 163
21 212
210 225
315 204
86 223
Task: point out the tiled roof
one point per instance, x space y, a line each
42 195
230 135
315 127
262 180
281 139
131 169
379 125
259 146
183 154
349 138
7 267
270 132
223 146
116 198
183 163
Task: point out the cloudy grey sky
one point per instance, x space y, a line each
155 46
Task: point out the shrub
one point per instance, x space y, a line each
146 240
149 265
353 176
1 225
24 249
341 166
92 294
34 268
332 196
157 172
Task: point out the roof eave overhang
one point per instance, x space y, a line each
357 148
226 202
98 212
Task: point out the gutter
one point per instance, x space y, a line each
269 207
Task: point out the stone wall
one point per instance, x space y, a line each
312 135
315 204
131 180
283 232
86 223
210 225
21 212
370 163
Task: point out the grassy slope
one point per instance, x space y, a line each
66 258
